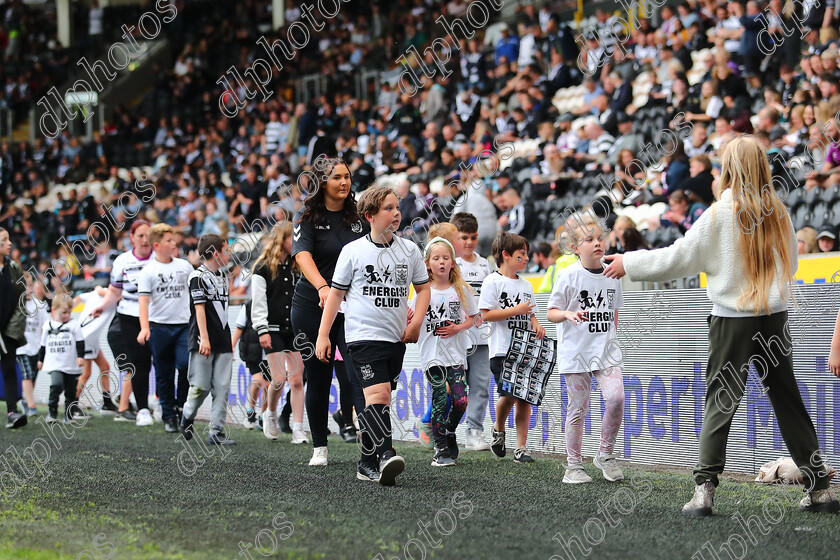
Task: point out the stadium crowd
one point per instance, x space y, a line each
217 174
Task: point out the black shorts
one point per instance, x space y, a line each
259 367
496 366
281 343
376 362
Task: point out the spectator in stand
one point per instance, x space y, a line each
806 239
698 187
681 213
507 47
541 257
519 215
827 239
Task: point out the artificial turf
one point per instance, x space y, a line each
115 492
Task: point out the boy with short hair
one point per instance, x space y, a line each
374 274
507 301
165 320
62 355
211 351
474 269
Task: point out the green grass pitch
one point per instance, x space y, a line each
115 492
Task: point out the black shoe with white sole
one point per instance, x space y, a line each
367 472
16 420
442 458
218 438
171 426
498 443
391 466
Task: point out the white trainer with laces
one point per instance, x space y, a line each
475 441
608 466
319 457
144 418
299 436
270 429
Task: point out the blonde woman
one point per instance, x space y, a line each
750 267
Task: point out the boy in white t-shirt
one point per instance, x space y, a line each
37 313
62 355
584 303
374 273
474 269
165 321
507 301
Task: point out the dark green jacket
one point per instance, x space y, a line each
13 330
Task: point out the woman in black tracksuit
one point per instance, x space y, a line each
326 224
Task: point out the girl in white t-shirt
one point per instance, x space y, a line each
443 346
584 303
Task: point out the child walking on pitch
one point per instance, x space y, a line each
211 351
474 269
92 331
252 354
27 355
584 304
746 245
272 286
374 274
507 301
165 321
62 355
443 351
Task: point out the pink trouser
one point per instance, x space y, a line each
578 386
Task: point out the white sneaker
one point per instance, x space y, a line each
475 441
144 418
319 457
576 475
270 429
250 420
299 436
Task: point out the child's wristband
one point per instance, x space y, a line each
324 286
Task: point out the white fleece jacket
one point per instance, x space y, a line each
709 246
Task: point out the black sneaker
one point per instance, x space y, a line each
390 467
349 434
108 407
125 416
452 444
171 426
442 458
522 455
367 472
283 423
187 428
498 443
16 420
218 438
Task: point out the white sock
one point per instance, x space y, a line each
297 426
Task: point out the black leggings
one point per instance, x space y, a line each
10 384
319 375
138 357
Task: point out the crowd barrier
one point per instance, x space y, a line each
665 346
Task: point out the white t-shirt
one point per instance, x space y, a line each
592 344
376 277
242 318
166 286
59 340
501 292
474 274
124 275
444 306
92 327
36 316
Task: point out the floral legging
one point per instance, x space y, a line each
578 386
438 377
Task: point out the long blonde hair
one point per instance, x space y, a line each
461 287
765 245
273 253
